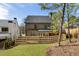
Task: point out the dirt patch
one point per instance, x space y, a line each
71 49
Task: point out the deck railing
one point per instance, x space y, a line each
37 39
5 35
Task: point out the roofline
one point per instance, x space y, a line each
37 15
6 19
37 22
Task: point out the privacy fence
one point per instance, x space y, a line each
37 39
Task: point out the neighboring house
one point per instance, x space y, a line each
9 29
37 25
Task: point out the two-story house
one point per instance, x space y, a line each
9 29
37 25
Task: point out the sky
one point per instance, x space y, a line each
20 11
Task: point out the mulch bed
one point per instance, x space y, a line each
71 49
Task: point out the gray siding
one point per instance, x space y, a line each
36 23
31 30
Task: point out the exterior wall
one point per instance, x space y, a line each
13 28
31 30
39 26
32 33
16 31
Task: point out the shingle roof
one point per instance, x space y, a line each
38 19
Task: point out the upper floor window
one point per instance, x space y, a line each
45 26
4 29
10 21
35 26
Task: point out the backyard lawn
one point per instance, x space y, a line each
26 50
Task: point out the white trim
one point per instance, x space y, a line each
44 30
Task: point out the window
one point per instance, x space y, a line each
45 27
10 21
35 26
4 29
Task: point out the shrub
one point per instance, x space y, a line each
73 33
9 43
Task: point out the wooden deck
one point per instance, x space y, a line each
37 39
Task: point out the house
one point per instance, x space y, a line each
37 25
9 29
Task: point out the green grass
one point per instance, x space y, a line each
26 50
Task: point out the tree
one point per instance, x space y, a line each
67 10
58 7
65 24
62 20
71 8
72 20
55 22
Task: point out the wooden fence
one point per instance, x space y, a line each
37 39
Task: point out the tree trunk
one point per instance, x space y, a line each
68 14
69 30
62 20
